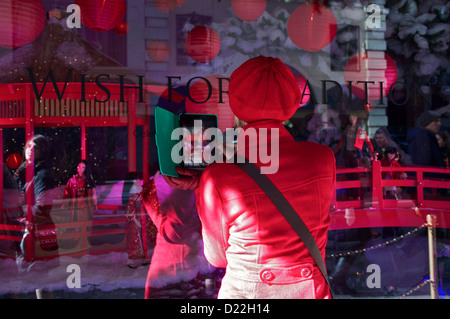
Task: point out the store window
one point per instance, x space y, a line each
373 75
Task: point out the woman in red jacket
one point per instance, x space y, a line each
242 230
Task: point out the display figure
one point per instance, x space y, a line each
79 194
80 200
135 232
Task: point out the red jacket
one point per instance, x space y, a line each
243 231
393 163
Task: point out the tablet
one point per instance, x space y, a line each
179 139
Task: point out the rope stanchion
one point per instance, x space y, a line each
381 245
411 291
432 252
432 256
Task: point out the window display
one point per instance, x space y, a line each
81 80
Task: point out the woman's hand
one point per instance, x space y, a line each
188 179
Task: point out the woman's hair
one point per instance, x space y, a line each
445 137
390 150
384 131
43 144
87 172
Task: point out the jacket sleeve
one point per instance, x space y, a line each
420 149
214 227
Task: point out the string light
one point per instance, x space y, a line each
381 245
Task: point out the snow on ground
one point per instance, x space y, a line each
106 272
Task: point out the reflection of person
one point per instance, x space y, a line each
323 126
11 201
242 230
382 140
135 219
43 180
443 139
43 171
422 143
351 144
178 254
391 160
44 187
350 148
79 194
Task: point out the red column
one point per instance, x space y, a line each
29 173
83 142
146 144
1 176
377 188
131 131
419 187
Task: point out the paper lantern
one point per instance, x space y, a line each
312 27
362 68
13 161
21 22
391 73
102 15
304 89
165 6
180 2
122 28
158 50
248 10
202 44
209 98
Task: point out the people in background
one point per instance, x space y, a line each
391 160
443 139
382 140
354 146
355 149
422 142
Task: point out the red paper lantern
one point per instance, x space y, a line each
361 68
158 50
312 27
21 22
304 89
165 6
122 28
248 10
13 161
102 15
391 73
202 44
200 91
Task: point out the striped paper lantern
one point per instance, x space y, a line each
158 50
21 22
202 44
248 10
102 15
312 27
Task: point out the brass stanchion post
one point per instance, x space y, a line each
432 255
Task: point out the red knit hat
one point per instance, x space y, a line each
263 88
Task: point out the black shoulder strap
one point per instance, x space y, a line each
286 209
